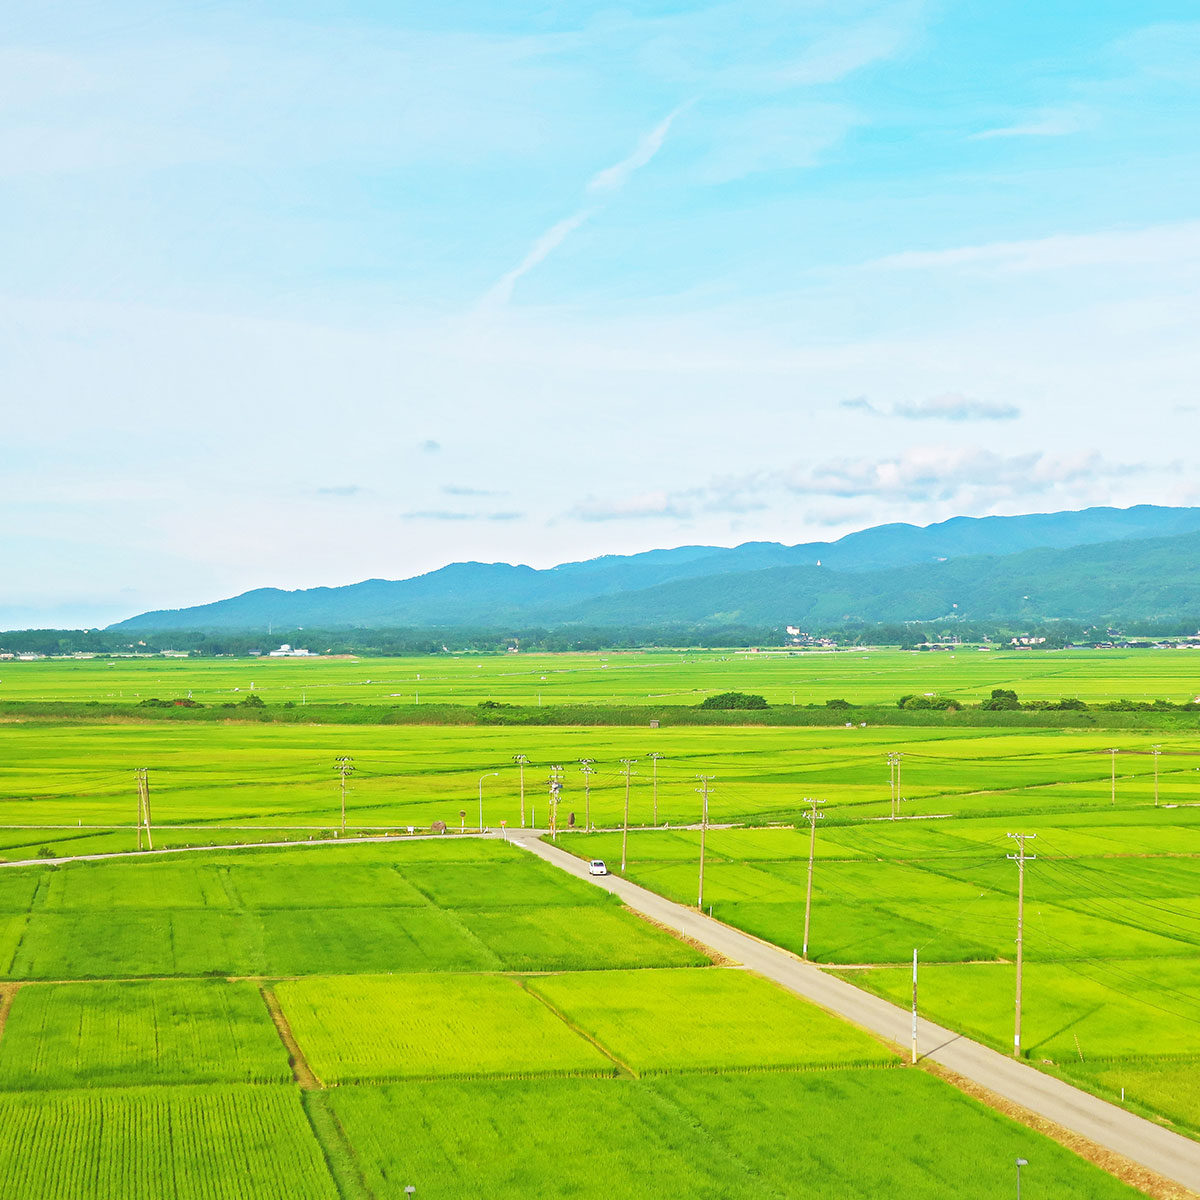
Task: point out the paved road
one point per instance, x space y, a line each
1141 1141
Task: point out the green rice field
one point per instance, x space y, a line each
69 787
633 677
522 1056
1111 932
343 1020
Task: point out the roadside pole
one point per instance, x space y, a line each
1020 858
812 816
914 1015
703 789
627 764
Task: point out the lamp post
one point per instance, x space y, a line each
1021 1162
481 779
1156 751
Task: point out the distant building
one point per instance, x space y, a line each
286 651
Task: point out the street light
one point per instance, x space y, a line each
1021 1162
481 779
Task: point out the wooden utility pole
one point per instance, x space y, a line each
585 765
654 756
812 816
627 764
1156 751
703 789
142 774
1114 752
1020 858
343 764
521 762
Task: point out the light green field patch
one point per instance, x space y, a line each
97 1034
397 1027
576 939
704 1020
211 1143
1169 1086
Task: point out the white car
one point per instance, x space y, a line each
597 867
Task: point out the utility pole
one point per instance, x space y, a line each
142 775
585 765
812 816
654 756
1156 751
703 789
914 1025
343 764
1020 858
554 782
521 762
627 764
1114 752
894 762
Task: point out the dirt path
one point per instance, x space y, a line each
299 1064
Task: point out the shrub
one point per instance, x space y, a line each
734 700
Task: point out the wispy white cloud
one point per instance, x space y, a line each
1051 122
1169 243
605 183
612 179
646 504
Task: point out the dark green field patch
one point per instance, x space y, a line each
353 941
576 939
97 1034
519 883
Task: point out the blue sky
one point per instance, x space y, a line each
305 293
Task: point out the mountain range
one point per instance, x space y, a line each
1093 564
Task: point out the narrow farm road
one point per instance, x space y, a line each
1141 1141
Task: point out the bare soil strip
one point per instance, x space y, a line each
300 1069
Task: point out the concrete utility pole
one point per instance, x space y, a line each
554 783
914 1023
812 816
1156 751
1114 752
521 762
344 764
142 775
585 765
627 764
703 789
654 756
894 762
488 775
1020 858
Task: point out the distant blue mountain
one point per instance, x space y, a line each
670 585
